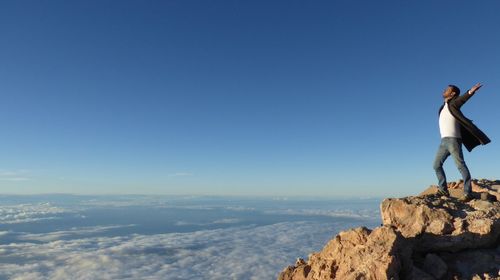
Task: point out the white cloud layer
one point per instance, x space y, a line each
235 253
23 213
345 213
72 233
231 252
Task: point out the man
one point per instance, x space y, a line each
456 130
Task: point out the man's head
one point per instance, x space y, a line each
451 91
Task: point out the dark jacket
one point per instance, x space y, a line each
471 135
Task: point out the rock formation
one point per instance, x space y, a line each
424 237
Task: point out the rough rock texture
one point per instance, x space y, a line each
481 186
354 254
422 237
442 223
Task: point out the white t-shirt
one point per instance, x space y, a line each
448 125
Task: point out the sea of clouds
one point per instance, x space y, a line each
167 238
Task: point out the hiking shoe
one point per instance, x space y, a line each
443 192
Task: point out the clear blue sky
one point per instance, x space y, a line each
240 97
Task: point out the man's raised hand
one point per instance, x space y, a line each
475 88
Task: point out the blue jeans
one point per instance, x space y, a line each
451 146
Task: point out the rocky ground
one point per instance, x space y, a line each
422 237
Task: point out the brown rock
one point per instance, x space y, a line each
496 188
422 238
443 224
413 216
466 264
355 254
479 187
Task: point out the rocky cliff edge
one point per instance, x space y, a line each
424 237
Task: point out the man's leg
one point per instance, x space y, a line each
441 155
457 154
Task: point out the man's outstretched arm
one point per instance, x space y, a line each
474 88
463 98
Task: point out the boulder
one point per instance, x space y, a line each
443 223
358 253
